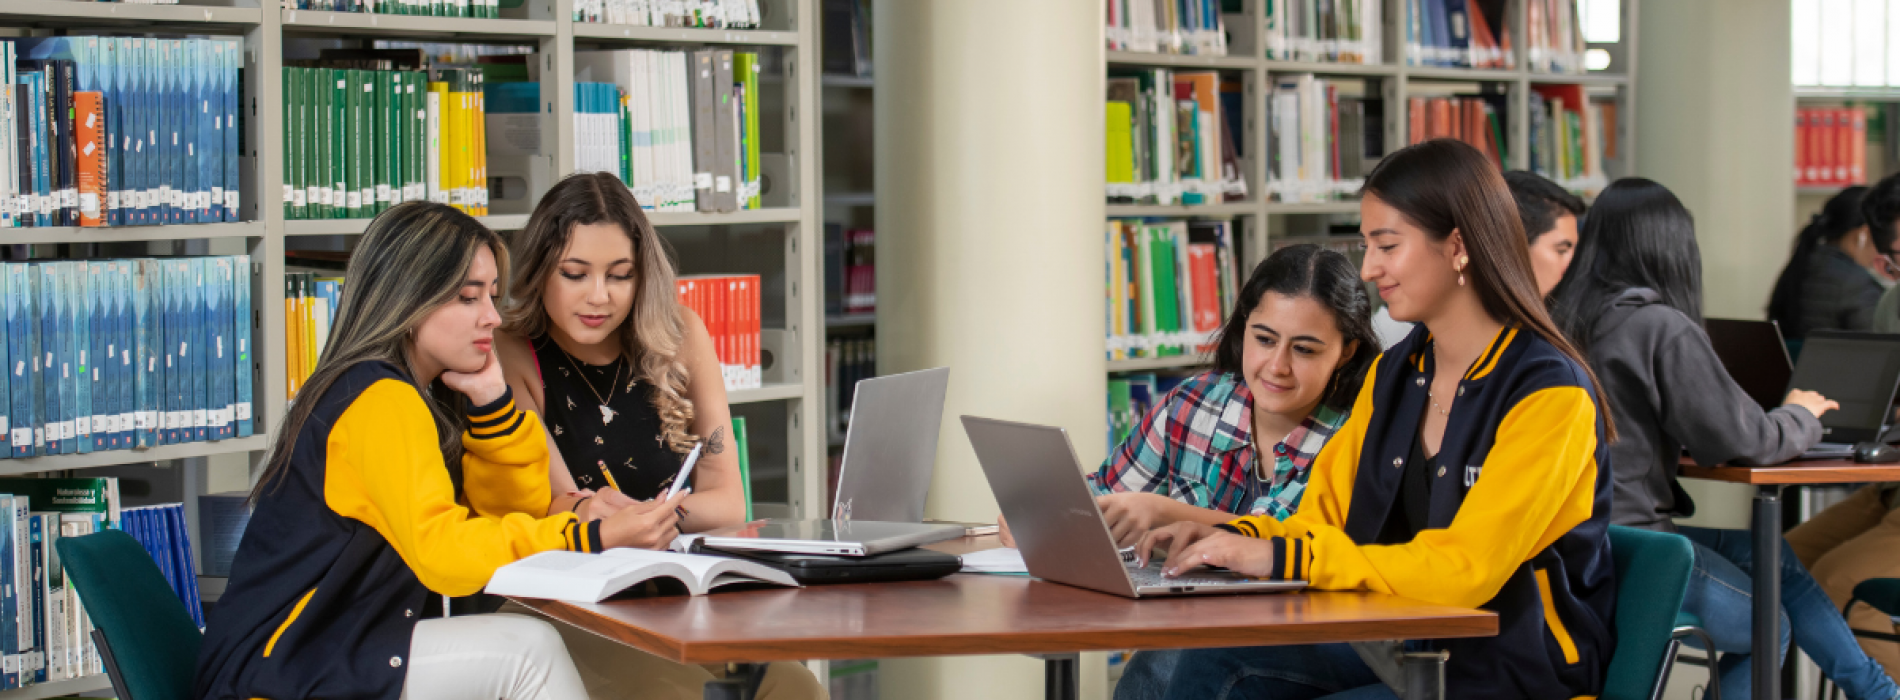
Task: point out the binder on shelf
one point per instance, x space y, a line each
79 292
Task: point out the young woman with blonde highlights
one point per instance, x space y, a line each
597 344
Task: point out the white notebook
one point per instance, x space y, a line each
591 578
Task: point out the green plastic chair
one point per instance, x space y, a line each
1652 574
146 638
1881 594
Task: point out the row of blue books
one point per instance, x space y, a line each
159 145
125 354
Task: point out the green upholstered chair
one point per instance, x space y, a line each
1652 574
147 639
1881 594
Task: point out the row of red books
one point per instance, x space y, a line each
729 305
1830 146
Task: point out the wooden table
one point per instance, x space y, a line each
1766 528
978 614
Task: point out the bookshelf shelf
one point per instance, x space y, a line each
1154 363
850 199
1461 74
1346 207
851 321
769 392
360 23
1831 94
58 689
1325 68
675 35
355 227
776 215
858 82
1172 60
123 234
36 12
1584 79
1223 209
29 465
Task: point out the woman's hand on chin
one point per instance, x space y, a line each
483 386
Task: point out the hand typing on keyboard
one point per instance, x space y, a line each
1191 546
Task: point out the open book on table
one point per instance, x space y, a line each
590 578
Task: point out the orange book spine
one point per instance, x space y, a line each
89 124
1801 147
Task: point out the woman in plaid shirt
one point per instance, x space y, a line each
1287 365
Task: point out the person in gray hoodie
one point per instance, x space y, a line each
1632 300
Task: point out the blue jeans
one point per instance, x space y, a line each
1311 672
1719 593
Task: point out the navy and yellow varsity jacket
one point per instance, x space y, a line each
1518 522
347 545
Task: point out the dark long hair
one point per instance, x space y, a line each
412 260
1316 273
1443 185
1842 214
1637 235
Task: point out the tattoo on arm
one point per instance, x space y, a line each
717 442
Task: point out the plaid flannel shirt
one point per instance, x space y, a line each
1196 447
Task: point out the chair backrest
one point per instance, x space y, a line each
153 639
1652 573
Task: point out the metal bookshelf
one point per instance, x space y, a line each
1261 223
787 435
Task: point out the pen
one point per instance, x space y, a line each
686 471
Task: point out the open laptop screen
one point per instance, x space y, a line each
1859 370
1755 357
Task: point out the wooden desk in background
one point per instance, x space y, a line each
1766 528
968 614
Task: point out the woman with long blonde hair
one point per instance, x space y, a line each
404 472
597 344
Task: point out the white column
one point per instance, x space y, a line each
1716 109
989 143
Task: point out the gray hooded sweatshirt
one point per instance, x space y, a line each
1668 391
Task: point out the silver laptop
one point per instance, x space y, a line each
890 448
1037 479
850 538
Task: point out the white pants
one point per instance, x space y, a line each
508 657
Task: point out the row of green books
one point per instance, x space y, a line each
360 141
1171 284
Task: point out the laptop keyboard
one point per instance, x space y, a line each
1151 576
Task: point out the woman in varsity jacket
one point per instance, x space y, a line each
403 473
1473 471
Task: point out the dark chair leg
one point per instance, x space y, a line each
1708 646
1669 664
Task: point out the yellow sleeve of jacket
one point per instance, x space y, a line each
385 470
1538 483
505 461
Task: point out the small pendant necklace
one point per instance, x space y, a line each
606 414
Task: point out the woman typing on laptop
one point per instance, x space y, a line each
1634 299
1468 473
1286 366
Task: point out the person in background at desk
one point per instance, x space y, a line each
1286 367
1829 282
597 344
1549 213
1848 543
1634 298
403 473
1881 209
1472 471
